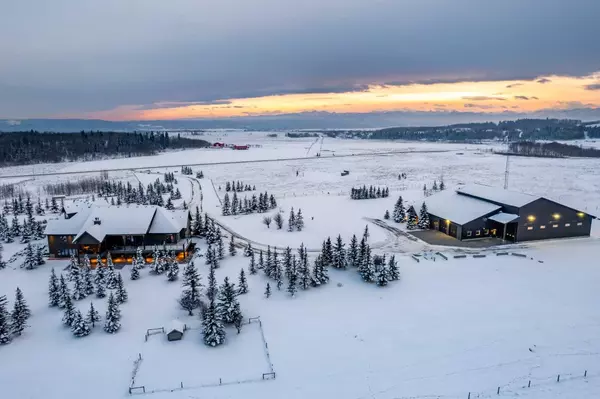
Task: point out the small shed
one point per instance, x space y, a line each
345 173
175 330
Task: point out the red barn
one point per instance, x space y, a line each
240 147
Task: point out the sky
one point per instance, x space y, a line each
156 59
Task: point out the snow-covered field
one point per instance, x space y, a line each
445 329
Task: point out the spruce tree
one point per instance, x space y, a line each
211 290
88 283
73 270
80 327
121 295
293 279
386 216
112 322
191 283
393 272
172 269
299 220
367 269
261 260
269 263
411 223
220 248
169 205
252 267
268 290
277 270
215 259
209 254
382 275
5 328
327 252
63 292
135 273
79 289
227 300
287 262
242 283
366 234
292 221
110 280
30 262
92 316
69 314
212 327
53 290
20 313
320 275
339 254
423 217
237 316
248 251
226 206
399 211
352 253
232 249
39 257
303 272
140 261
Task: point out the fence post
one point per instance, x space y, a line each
558 378
181 384
498 392
220 381
585 374
469 397
529 384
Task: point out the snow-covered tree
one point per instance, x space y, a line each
303 272
80 327
261 260
100 272
366 234
79 289
73 270
227 300
352 253
110 280
112 322
399 211
442 185
226 210
327 253
287 262
423 217
140 261
268 290
242 283
63 292
232 249
211 289
299 220
269 265
435 186
30 262
69 314
238 317
292 220
367 269
293 279
248 251
100 291
135 272
92 316
278 219
393 271
169 205
121 295
5 327
20 313
173 269
386 216
220 247
212 327
191 283
320 275
339 254
252 267
87 279
382 274
53 290
411 223
39 257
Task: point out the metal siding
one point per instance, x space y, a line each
543 210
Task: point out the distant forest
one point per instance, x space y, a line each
522 129
551 150
31 147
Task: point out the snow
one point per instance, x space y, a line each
168 222
497 194
175 325
458 208
503 217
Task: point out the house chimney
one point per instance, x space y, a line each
97 221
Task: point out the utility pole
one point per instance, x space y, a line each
506 172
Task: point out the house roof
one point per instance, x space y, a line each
457 208
176 325
497 195
119 220
504 217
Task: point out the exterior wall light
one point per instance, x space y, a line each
531 218
556 216
580 214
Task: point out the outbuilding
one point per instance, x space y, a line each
175 330
478 211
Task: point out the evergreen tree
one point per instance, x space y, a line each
435 186
53 290
399 211
303 271
382 275
208 258
88 283
261 261
80 327
277 270
63 292
30 262
73 270
366 234
121 295
299 220
272 202
69 314
39 257
173 269
242 283
220 249
320 275
215 259
135 272
339 254
112 322
234 204
227 300
292 221
248 251
287 262
411 223
423 217
386 216
140 261
192 284
352 253
442 185
79 289
15 228
92 316
393 272
5 328
197 226
232 249
110 280
237 316
20 313
269 266
169 205
211 291
226 205
212 327
367 269
252 267
100 291
268 290
327 253
291 288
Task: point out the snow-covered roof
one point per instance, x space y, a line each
497 194
504 217
119 220
166 222
457 208
176 325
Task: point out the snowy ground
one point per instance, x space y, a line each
446 329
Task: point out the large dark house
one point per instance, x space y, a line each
476 211
96 230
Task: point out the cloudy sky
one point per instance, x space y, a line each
157 59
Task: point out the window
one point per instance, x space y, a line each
579 224
469 233
478 233
567 224
554 226
530 228
486 232
542 227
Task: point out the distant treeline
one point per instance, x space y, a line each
297 135
552 150
22 148
522 129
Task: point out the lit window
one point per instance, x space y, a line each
579 224
478 233
567 224
530 228
469 233
486 232
542 227
554 226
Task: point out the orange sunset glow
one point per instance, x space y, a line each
549 92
